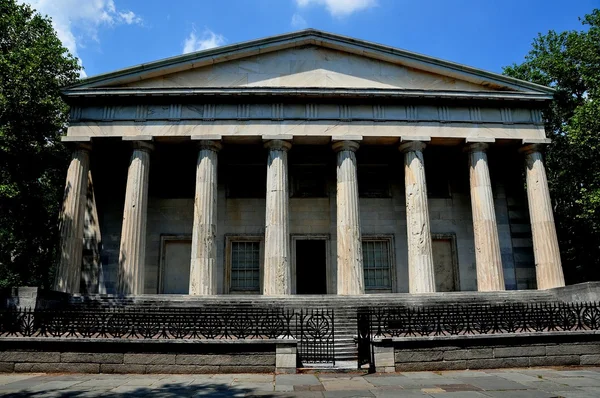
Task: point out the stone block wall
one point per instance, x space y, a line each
488 352
48 355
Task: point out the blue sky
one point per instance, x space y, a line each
112 34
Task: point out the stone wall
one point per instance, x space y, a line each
170 212
109 356
487 352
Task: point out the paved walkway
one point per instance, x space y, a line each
526 383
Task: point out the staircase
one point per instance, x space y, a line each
344 307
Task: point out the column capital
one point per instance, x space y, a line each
278 145
528 149
212 145
476 147
412 146
81 146
142 146
345 146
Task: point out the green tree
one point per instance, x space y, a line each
570 63
34 65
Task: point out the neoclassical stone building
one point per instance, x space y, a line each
306 163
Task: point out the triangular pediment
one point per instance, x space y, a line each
308 59
308 66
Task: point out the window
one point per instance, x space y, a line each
377 264
309 181
373 181
244 264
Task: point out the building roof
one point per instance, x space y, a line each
118 82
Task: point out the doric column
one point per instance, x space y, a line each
277 275
421 273
490 276
68 274
350 276
203 267
548 266
132 254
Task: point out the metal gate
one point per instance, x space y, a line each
365 351
317 336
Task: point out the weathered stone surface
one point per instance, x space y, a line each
476 353
29 356
285 361
150 359
555 360
573 349
419 356
498 363
233 359
57 367
519 351
7 367
490 276
277 272
132 253
246 369
122 368
83 357
590 359
421 275
350 277
548 266
68 273
203 266
181 369
429 366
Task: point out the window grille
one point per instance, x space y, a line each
377 265
245 266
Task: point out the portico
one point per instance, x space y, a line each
403 171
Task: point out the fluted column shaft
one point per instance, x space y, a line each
350 275
548 266
421 272
203 266
68 274
490 276
277 273
132 254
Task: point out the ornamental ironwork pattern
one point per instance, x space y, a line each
314 329
453 320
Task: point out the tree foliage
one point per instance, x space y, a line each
34 65
570 62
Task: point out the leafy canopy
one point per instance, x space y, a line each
34 65
570 62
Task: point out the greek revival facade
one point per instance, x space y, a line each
306 163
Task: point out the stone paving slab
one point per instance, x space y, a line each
506 383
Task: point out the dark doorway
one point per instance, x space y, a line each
311 267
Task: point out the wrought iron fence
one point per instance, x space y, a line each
314 329
472 319
449 320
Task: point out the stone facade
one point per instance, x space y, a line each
297 143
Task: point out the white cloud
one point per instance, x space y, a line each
298 22
85 17
339 8
208 39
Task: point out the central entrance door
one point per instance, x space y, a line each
311 266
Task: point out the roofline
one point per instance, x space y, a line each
307 36
302 92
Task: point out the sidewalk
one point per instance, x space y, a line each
526 383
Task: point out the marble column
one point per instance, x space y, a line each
277 272
548 266
132 255
203 266
490 276
421 274
72 219
350 275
